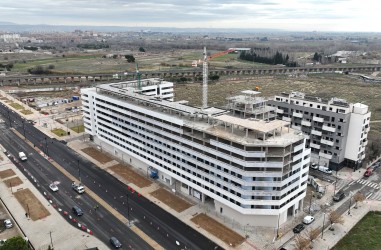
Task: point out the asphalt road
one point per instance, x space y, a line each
38 168
161 226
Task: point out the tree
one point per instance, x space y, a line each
358 197
300 242
141 49
15 243
130 58
335 217
312 234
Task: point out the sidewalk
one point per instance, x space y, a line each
64 235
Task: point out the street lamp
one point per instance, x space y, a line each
334 191
46 145
350 203
312 195
128 211
79 174
277 230
322 230
23 127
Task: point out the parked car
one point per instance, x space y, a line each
368 172
53 187
325 170
376 165
77 211
298 228
308 219
115 242
339 196
314 166
8 223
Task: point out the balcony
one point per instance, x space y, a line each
287 119
330 129
300 115
279 111
318 119
306 123
326 156
315 132
313 145
330 143
296 127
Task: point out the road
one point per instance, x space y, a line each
45 173
161 226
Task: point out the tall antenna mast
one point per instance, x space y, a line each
138 77
205 81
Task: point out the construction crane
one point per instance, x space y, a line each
138 75
205 74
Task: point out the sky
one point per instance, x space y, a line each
290 15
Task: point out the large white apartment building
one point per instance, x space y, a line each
336 131
252 170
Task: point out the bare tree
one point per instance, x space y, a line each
312 234
358 197
335 217
300 243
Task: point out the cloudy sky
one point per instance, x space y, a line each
295 15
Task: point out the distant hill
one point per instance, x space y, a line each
13 27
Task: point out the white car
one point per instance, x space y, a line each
308 219
53 187
314 166
8 223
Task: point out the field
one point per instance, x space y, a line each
130 175
6 173
97 155
31 204
364 235
171 200
321 85
217 229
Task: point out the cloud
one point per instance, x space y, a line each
291 14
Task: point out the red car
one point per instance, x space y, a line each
368 172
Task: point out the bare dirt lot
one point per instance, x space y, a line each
31 204
130 175
13 182
325 86
217 229
171 200
97 155
6 173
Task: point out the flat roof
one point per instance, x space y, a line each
257 125
250 92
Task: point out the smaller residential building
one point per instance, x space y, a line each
336 131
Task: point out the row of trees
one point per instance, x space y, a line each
7 66
101 45
301 242
277 58
41 70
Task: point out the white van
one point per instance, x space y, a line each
22 156
325 170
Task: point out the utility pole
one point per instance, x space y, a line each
23 127
46 145
79 175
128 211
9 119
51 240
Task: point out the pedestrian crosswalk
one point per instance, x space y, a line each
375 196
341 184
367 183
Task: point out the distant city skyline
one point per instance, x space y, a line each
292 15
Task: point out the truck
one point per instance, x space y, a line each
78 187
22 156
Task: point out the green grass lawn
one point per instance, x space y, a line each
78 129
26 112
365 235
59 131
16 105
